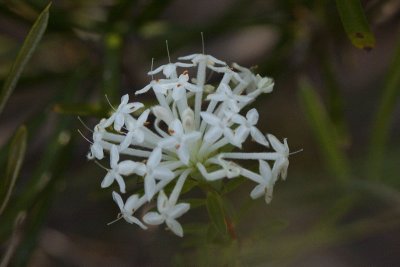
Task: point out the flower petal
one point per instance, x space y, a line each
131 203
149 186
175 227
108 179
155 158
162 202
131 219
127 167
153 218
178 210
252 116
258 191
258 136
114 156
120 182
117 198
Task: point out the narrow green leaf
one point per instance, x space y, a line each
216 212
25 53
383 117
323 130
80 109
15 159
355 24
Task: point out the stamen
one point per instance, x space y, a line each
84 125
151 68
295 152
101 165
169 58
202 42
84 137
119 217
108 100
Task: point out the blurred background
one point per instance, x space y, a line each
339 102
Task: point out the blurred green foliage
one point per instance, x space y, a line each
84 54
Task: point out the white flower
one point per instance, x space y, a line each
248 126
179 140
135 130
266 186
219 126
123 113
225 95
169 70
282 149
167 212
194 128
127 208
125 167
151 171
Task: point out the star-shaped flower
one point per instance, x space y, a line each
179 140
282 149
135 130
128 208
121 115
248 126
153 170
168 212
224 94
266 186
125 167
169 70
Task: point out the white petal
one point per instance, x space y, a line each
131 203
163 173
268 195
265 170
97 151
169 70
276 145
175 227
258 191
153 218
242 132
178 93
114 156
108 179
120 182
117 198
178 210
139 136
124 100
143 117
183 153
140 169
210 118
258 136
127 167
149 186
155 157
119 121
252 116
162 202
213 134
131 219
176 127
127 141
144 90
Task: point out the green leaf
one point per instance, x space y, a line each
80 109
15 159
384 117
216 212
355 24
25 53
324 131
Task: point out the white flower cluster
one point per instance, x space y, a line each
193 122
